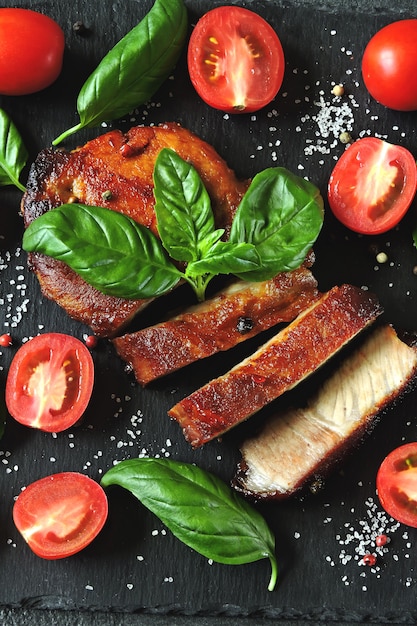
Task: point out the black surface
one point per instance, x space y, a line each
135 572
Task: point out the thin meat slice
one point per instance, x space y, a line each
237 313
280 364
296 445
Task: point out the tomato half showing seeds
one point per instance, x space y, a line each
50 382
61 514
396 483
389 65
31 51
235 60
372 185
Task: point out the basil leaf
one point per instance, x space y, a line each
282 215
13 153
108 250
183 207
133 70
199 509
225 258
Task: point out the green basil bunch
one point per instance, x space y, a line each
275 226
199 509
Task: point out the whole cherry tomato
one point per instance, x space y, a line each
31 51
235 60
372 185
389 65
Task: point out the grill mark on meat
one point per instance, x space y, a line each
86 175
213 325
289 357
296 445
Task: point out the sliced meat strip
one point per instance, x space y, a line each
280 364
237 313
298 444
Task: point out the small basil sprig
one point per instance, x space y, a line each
13 153
133 70
275 225
186 225
199 509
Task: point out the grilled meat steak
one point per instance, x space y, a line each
237 313
115 170
289 357
296 445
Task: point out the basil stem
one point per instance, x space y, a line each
133 70
281 214
199 509
110 251
13 153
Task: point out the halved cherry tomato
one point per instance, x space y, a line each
389 65
50 382
372 185
396 484
235 60
60 514
31 51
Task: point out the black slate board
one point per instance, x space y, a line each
135 566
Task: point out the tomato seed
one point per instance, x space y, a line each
5 340
91 341
369 559
381 540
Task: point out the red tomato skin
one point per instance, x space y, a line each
388 494
50 348
69 494
348 186
389 65
31 51
262 79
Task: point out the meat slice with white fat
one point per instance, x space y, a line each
237 313
296 445
289 357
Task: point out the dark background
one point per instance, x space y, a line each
136 572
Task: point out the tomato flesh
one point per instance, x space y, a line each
235 60
372 185
396 484
50 382
61 514
389 68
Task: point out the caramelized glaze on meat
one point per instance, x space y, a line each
280 364
232 316
115 170
296 445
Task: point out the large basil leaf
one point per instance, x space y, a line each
282 215
183 208
13 153
199 509
133 70
108 250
